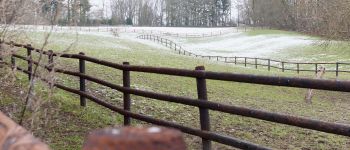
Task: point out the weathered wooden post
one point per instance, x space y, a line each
126 96
282 66
269 64
30 61
256 63
50 66
50 59
13 63
245 61
298 68
1 53
15 137
316 68
82 80
204 113
13 60
337 69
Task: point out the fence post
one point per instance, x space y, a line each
50 56
316 68
217 58
269 64
298 68
1 59
50 65
256 63
13 63
245 61
235 60
30 63
282 66
82 80
126 97
204 113
225 59
337 69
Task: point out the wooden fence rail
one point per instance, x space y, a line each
202 103
256 62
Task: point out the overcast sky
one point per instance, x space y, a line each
98 3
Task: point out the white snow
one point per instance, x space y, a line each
246 46
232 42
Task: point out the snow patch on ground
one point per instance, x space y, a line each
236 43
248 46
180 30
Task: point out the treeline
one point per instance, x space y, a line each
194 13
197 13
46 12
322 17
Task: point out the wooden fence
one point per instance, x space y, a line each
269 64
202 102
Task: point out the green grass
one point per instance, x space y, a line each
255 32
327 106
335 51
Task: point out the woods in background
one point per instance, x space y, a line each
195 13
321 17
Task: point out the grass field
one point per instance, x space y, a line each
69 123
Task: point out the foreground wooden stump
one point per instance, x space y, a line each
152 138
14 137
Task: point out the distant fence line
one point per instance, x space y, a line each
131 30
202 102
252 61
